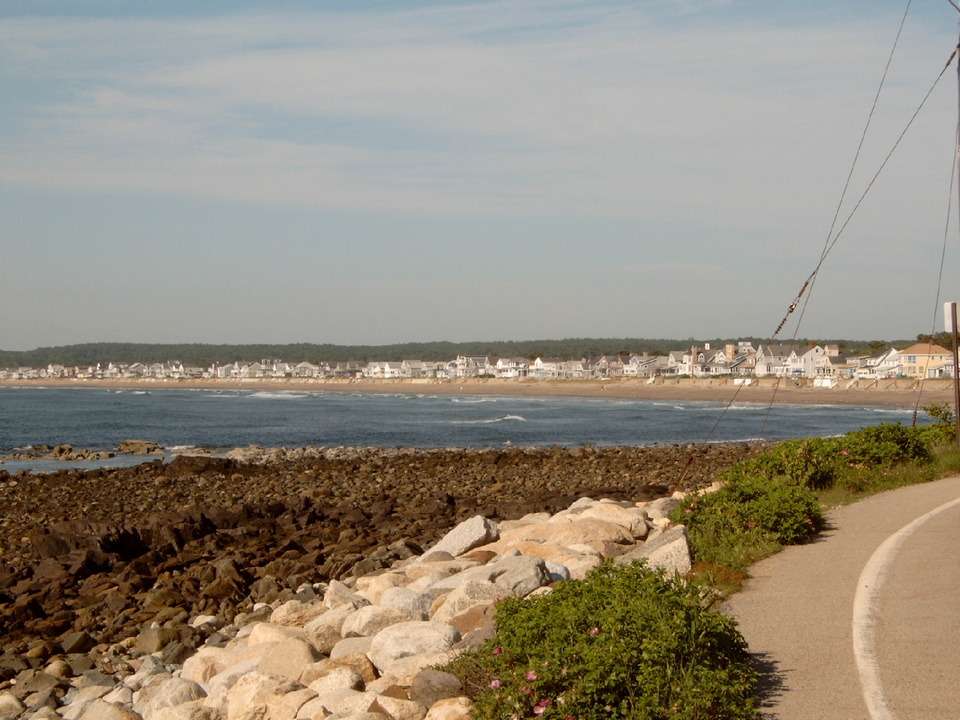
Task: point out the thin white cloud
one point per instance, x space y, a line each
635 110
686 125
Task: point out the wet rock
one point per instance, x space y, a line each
77 642
139 447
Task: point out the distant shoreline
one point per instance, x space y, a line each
901 392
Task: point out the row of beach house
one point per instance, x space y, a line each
741 360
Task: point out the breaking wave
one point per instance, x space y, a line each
488 421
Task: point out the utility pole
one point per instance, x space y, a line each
956 366
953 305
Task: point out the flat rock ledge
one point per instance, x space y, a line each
361 648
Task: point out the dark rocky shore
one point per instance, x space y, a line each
91 558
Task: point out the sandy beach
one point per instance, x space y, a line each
901 392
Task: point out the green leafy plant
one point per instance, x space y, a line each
775 498
941 412
749 518
810 462
944 430
819 463
625 642
884 444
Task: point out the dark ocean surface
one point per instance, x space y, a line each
101 418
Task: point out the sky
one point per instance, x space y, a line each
385 172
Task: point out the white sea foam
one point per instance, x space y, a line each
278 395
488 421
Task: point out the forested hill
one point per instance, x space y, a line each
203 355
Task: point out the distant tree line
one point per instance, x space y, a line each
943 339
203 355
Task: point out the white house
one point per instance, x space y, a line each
608 366
383 370
803 363
467 366
512 367
576 369
881 364
703 362
306 370
546 367
835 366
772 360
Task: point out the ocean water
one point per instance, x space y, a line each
101 418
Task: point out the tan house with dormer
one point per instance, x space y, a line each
924 360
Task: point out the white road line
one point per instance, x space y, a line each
864 604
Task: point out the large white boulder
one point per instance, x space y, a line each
336 678
169 693
458 708
344 703
100 710
208 662
586 531
631 518
399 708
669 550
289 658
468 535
372 587
333 618
188 711
521 575
268 632
465 596
407 599
296 613
218 689
351 646
251 696
410 638
418 570
339 593
287 706
368 621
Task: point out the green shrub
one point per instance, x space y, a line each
938 434
941 412
942 432
761 509
883 445
625 642
820 463
809 462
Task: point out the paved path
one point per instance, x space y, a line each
863 624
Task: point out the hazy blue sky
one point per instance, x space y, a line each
378 172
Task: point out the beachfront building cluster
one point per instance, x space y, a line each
823 363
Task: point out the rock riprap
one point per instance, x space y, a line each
102 568
361 648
